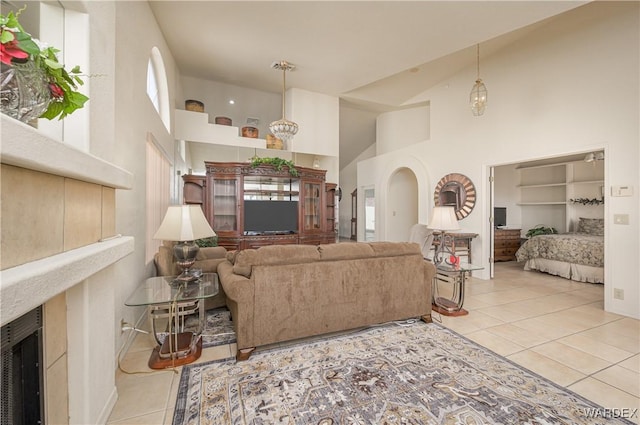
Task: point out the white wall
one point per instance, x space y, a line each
318 118
412 124
249 103
571 86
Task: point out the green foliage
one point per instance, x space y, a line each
587 201
540 229
207 242
277 163
18 47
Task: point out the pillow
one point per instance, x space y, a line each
231 256
591 226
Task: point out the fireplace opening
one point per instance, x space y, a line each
22 398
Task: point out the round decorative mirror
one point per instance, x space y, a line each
458 191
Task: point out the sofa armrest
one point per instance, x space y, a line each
237 287
429 275
429 271
240 301
212 252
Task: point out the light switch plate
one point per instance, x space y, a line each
621 219
621 190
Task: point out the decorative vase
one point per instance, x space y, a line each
24 91
223 121
251 132
194 105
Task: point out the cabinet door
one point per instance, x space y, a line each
331 203
312 212
225 214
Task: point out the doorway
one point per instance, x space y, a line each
369 214
541 192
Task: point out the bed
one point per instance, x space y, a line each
577 256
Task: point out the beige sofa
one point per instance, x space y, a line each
284 292
208 259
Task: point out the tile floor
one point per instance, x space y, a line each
552 326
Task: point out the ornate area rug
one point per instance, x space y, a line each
411 374
218 328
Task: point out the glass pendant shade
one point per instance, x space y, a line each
478 98
478 95
283 129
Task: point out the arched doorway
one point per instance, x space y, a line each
402 204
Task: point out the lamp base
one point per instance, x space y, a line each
186 253
185 277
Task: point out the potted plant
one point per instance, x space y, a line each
277 163
34 83
540 229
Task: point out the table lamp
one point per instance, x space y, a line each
443 219
184 224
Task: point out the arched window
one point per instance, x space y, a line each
157 87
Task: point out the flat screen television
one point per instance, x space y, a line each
499 216
271 217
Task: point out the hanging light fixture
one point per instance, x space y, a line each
283 129
478 96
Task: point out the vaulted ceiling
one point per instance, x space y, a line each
374 55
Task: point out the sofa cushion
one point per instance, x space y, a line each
244 260
287 254
273 255
393 249
345 251
231 256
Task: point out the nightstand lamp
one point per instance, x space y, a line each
443 219
184 224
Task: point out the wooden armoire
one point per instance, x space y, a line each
252 206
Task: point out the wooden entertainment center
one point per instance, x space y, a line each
275 197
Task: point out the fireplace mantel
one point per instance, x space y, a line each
25 287
26 147
29 285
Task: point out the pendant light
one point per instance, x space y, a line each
283 129
478 96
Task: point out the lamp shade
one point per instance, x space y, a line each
443 218
184 223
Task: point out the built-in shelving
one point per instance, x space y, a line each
195 127
547 190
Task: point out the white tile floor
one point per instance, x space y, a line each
552 326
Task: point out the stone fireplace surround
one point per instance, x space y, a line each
57 241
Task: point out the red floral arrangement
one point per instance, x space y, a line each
17 46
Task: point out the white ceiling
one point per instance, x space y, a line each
373 55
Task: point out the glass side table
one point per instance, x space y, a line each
456 275
167 298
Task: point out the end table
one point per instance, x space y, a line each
167 298
456 275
